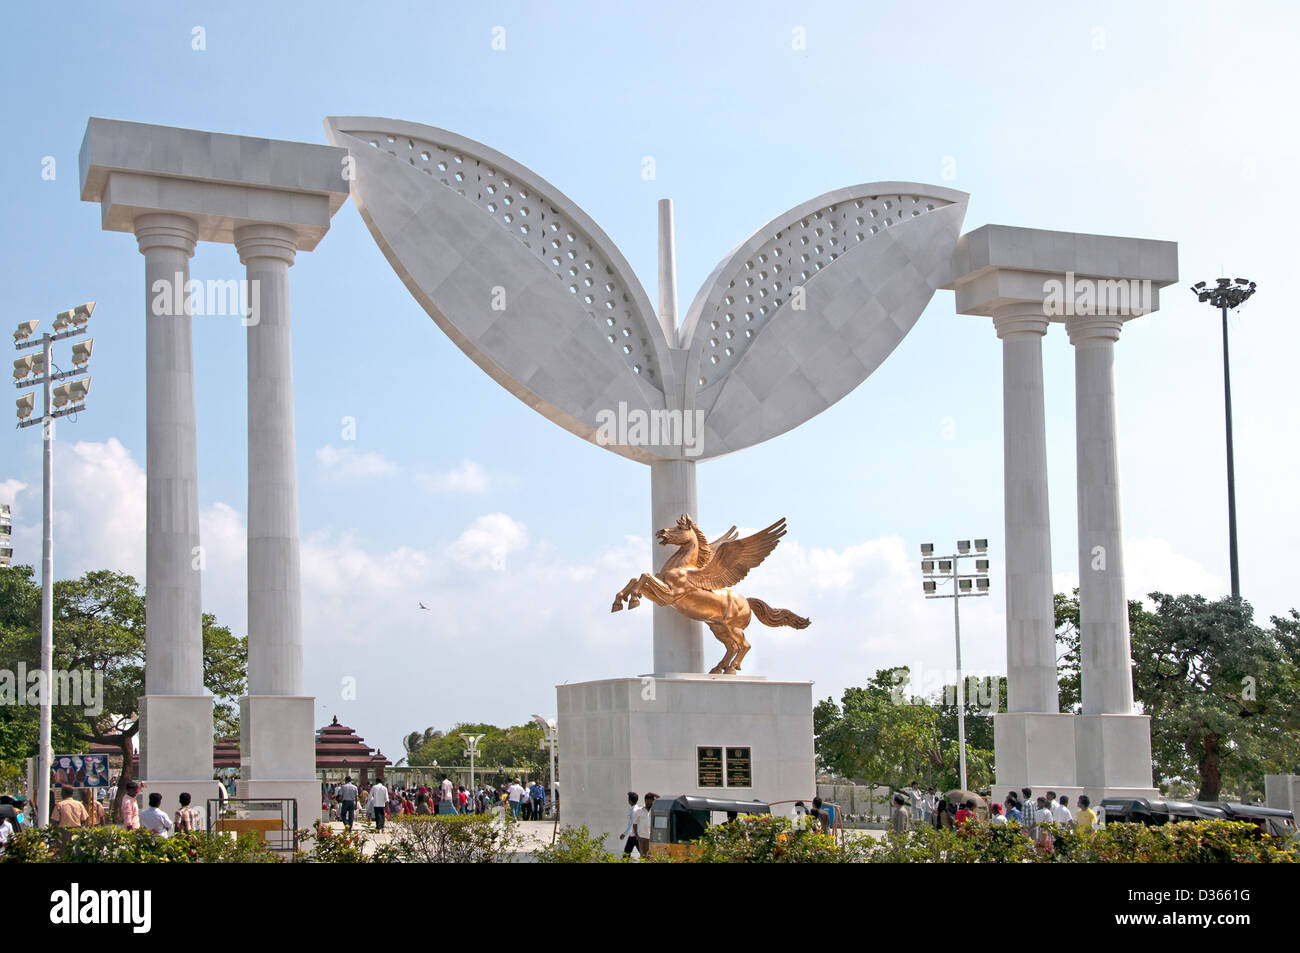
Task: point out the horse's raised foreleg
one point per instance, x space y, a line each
624 593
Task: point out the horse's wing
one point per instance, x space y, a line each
726 537
733 560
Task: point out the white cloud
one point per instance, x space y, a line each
348 463
9 490
465 477
1152 565
488 541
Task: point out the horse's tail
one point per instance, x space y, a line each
776 617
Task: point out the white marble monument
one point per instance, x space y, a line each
531 289
1027 279
269 198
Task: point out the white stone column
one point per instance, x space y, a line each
175 712
277 736
678 641
274 600
1114 745
1105 659
1031 621
173 614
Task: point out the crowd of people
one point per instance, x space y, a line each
92 807
1036 815
378 802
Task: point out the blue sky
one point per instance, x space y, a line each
1125 119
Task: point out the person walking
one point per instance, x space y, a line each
537 795
643 824
628 833
901 817
69 812
447 796
515 794
379 802
347 796
188 818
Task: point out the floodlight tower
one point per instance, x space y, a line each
66 398
1225 295
963 585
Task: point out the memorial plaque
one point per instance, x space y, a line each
740 771
708 767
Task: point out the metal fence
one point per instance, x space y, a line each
275 820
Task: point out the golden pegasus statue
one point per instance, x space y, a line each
696 581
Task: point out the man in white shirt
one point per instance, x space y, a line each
379 802
515 795
1061 813
154 819
629 833
641 824
447 795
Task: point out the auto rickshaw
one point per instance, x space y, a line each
677 822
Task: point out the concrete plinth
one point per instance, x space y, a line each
175 738
1097 755
1033 750
642 734
278 752
1114 755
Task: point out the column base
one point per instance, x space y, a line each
642 734
277 751
175 737
1033 750
1114 754
1097 755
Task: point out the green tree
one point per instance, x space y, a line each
99 627
514 748
1222 692
880 735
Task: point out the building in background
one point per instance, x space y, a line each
6 535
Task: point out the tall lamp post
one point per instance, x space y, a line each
939 570
1228 294
67 398
550 735
471 752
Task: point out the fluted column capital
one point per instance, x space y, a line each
1088 330
1020 318
265 240
165 230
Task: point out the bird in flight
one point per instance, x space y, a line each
422 605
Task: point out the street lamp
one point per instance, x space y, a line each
471 752
68 398
1228 293
550 735
963 585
